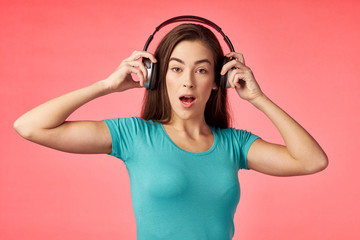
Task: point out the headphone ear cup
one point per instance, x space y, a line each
151 69
224 78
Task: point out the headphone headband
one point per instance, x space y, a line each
186 18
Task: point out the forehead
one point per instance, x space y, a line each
192 51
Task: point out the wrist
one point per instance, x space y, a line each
259 100
104 87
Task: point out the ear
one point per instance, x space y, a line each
214 86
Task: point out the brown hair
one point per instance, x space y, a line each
156 104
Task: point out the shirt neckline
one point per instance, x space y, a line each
188 152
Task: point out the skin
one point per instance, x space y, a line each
190 72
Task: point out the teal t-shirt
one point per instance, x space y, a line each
178 194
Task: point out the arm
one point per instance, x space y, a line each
301 153
47 125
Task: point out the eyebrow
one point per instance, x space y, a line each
182 62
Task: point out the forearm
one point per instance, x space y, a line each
299 143
54 112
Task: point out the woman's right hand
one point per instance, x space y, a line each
46 124
121 79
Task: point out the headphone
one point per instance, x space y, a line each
151 67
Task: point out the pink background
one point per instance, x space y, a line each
305 55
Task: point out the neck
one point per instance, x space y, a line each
192 127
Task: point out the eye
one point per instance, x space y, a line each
175 69
202 70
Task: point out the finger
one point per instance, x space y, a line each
136 84
233 64
136 55
138 65
226 67
231 78
138 73
150 56
237 78
238 56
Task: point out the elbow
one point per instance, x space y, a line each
318 164
22 129
17 126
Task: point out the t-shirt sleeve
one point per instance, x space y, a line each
122 131
242 142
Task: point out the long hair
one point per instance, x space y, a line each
156 105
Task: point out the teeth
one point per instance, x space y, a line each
187 99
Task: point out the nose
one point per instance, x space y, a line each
188 84
189 81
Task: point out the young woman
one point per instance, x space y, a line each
181 155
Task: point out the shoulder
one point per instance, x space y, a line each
235 135
135 124
230 131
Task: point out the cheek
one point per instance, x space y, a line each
171 86
207 84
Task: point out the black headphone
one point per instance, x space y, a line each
151 67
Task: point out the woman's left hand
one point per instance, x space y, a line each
241 77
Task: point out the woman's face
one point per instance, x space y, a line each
190 79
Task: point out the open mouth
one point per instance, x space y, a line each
187 99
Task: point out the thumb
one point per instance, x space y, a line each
135 84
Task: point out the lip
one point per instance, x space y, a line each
185 104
